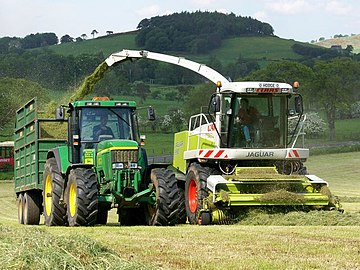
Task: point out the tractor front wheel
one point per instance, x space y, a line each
165 210
81 197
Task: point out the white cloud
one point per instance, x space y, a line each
149 11
261 16
338 8
202 3
289 7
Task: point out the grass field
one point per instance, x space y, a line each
197 247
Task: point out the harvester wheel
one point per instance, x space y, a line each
81 197
31 208
195 191
20 206
205 218
182 217
165 211
53 185
102 215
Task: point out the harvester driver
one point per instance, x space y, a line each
247 117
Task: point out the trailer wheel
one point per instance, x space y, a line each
20 206
81 197
53 185
165 211
31 208
195 191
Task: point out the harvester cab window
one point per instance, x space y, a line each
257 121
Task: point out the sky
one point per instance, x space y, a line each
302 20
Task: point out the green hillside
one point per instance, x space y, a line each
257 48
105 45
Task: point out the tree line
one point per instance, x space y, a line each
196 32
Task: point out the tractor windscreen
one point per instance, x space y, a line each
101 123
258 121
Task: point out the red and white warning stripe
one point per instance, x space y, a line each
292 153
212 153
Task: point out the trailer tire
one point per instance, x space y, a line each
20 206
31 208
165 211
53 186
81 197
195 191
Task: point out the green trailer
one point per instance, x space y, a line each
73 172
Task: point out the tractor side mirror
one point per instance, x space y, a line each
59 113
298 105
215 104
151 113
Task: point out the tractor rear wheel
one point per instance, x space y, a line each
53 185
31 208
195 191
81 197
20 206
165 211
182 217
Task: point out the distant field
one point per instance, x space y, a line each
343 41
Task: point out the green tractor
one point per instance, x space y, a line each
101 165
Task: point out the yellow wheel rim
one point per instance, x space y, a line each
72 199
48 195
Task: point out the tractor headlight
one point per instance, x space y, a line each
117 166
133 165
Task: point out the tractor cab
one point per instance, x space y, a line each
94 122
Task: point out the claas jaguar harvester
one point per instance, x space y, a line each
76 179
228 161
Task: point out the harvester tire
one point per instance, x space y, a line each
165 211
31 208
20 206
81 197
205 218
53 185
195 191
